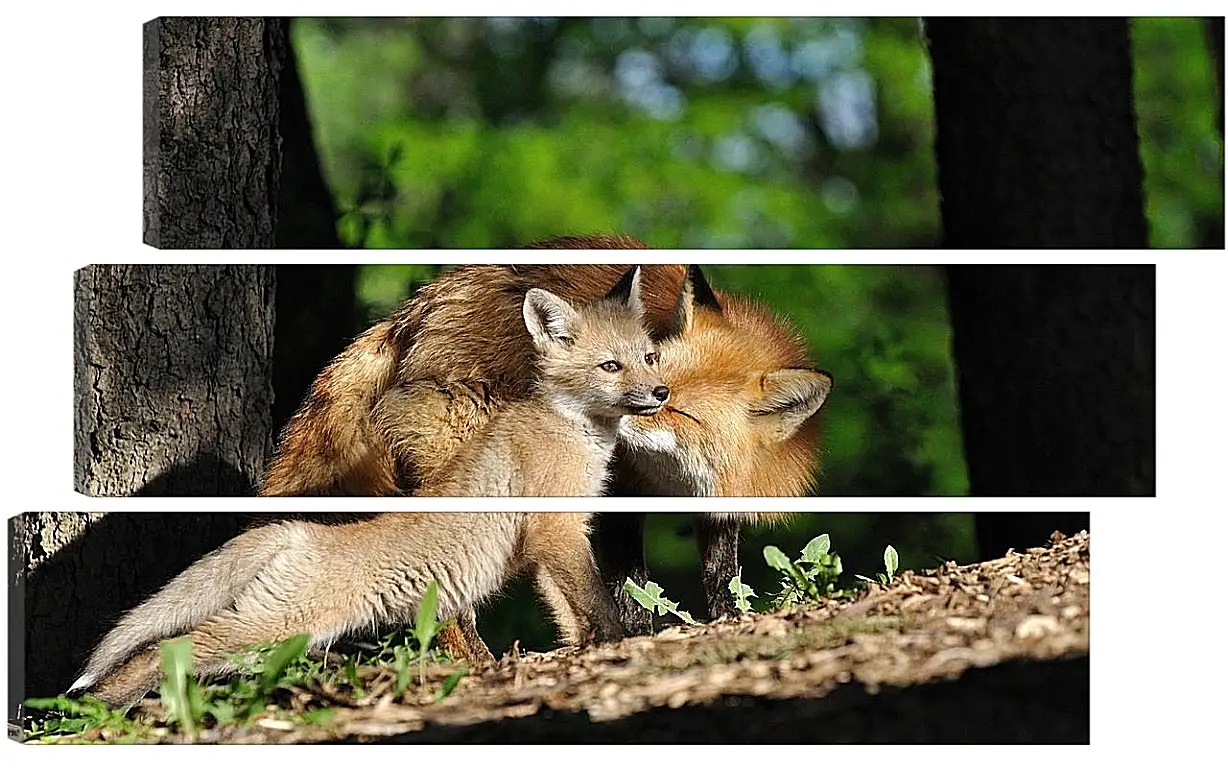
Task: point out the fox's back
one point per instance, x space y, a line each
528 449
466 325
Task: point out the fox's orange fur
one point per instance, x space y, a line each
396 404
392 409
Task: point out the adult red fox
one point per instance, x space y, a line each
392 409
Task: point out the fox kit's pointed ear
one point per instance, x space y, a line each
548 317
627 291
790 396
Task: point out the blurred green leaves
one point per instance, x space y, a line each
736 133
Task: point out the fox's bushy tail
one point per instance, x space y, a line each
206 587
330 446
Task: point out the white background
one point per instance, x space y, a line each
71 173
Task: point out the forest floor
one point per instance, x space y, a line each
993 652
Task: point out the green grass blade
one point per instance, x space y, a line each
279 658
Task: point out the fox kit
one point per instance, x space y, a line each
392 409
327 581
597 366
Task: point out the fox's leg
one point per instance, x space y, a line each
557 542
461 639
717 537
620 542
132 680
571 627
215 641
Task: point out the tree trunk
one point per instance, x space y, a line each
1037 145
173 379
315 321
1056 373
71 574
1215 43
306 216
212 152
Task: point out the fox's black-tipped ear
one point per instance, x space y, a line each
627 290
695 292
704 297
790 397
684 310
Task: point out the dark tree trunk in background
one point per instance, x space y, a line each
212 153
1056 376
173 379
315 304
315 321
71 574
306 216
1215 42
1037 145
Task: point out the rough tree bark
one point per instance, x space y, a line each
1037 145
212 152
72 573
173 379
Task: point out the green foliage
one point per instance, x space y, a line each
810 577
891 562
692 132
741 593
426 626
435 132
1181 147
652 597
79 717
262 671
449 684
180 693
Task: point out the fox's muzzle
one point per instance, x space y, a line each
642 403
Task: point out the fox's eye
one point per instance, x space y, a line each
651 358
611 366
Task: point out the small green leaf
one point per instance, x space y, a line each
319 716
741 592
400 655
427 623
685 616
891 559
279 658
815 549
449 685
777 559
652 597
177 690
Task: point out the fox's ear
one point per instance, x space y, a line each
627 291
704 295
790 396
695 292
548 317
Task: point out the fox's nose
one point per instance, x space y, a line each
661 393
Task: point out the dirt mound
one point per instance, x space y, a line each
992 652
